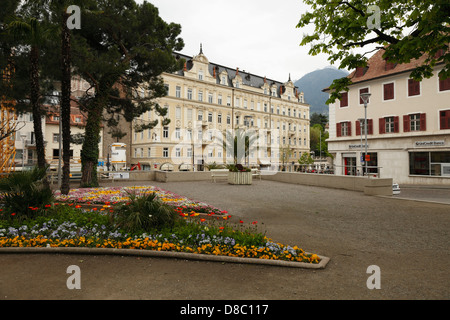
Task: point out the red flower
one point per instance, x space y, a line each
240 221
48 205
77 206
254 222
13 214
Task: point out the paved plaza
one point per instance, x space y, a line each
407 240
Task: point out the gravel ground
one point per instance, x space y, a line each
407 240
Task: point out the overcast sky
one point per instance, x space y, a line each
258 36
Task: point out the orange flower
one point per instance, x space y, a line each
202 219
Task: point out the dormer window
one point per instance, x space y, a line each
200 75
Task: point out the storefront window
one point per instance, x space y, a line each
429 163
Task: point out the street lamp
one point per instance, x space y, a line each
365 98
23 137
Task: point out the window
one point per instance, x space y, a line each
237 102
189 94
219 99
149 152
178 92
388 91
210 97
200 75
389 125
55 137
360 127
237 84
177 152
189 134
414 122
444 119
219 118
228 101
444 84
200 116
237 120
165 152
189 152
430 163
177 133
363 90
165 132
344 129
178 113
200 96
344 100
189 114
210 117
228 119
413 88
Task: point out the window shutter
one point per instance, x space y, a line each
349 128
382 125
358 127
338 129
444 84
413 87
445 119
369 126
396 125
406 123
388 91
344 99
365 90
423 122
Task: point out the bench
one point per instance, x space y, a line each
257 173
219 173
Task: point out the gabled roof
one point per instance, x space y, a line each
377 67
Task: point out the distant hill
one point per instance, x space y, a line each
314 82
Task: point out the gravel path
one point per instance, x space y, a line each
408 240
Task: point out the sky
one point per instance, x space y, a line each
258 36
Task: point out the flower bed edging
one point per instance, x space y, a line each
165 254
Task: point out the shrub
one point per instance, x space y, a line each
144 213
24 193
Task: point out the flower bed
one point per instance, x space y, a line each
109 196
67 223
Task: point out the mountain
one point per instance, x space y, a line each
314 82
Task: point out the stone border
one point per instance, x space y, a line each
164 254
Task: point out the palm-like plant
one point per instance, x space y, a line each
144 213
23 193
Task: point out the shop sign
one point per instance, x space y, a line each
357 146
439 143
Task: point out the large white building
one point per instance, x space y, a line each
408 124
206 100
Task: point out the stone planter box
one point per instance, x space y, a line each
239 177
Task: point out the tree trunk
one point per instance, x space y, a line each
65 104
90 149
36 107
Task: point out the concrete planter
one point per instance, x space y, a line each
239 177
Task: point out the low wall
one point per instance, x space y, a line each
372 186
175 176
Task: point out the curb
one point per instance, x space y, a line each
416 200
165 254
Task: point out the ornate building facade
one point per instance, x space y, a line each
209 105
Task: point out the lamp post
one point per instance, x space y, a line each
23 137
361 121
365 98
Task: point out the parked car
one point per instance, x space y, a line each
395 188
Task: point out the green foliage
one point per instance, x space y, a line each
407 30
24 193
144 213
213 165
237 168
